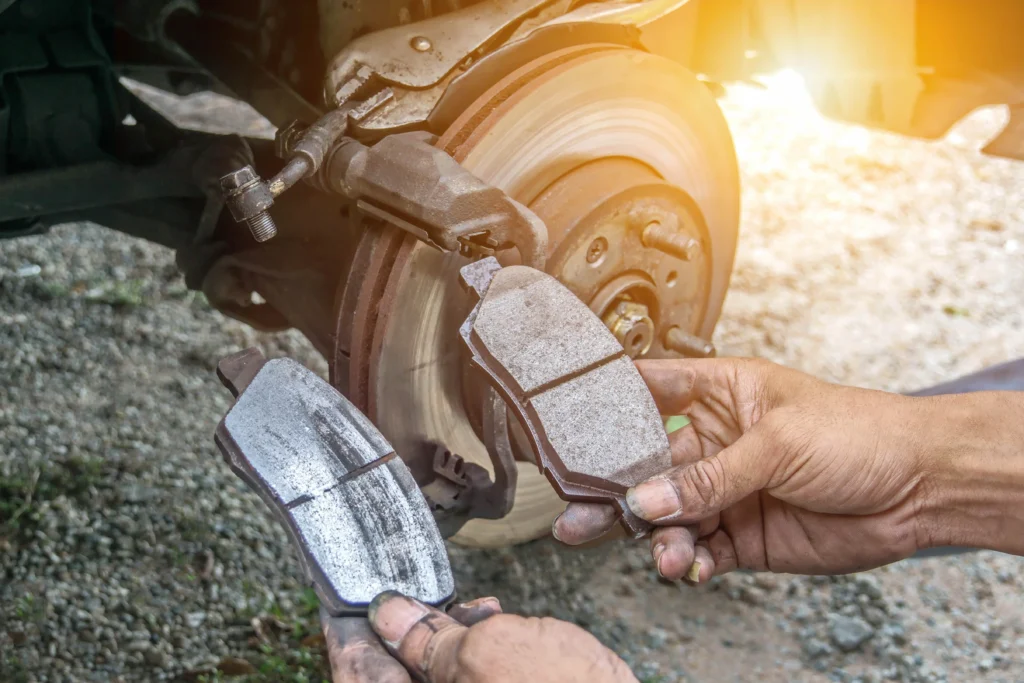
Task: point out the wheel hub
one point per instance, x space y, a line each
631 245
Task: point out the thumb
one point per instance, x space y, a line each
425 640
689 493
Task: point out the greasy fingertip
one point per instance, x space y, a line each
655 500
492 604
381 598
675 561
475 611
583 522
392 616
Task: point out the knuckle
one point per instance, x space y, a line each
490 639
760 365
704 481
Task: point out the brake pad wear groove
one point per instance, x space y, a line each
591 420
350 506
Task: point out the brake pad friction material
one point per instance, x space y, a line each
591 420
350 505
523 322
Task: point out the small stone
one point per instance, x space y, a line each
647 670
849 633
986 664
656 638
868 585
138 645
634 563
195 619
803 613
982 590
874 616
896 632
815 647
155 658
752 595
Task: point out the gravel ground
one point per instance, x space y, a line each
129 552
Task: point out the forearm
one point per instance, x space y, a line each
972 490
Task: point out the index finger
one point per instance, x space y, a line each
422 638
356 653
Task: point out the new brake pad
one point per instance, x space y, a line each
350 505
591 421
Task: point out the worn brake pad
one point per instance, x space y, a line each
349 503
590 418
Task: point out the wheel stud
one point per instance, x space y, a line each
688 345
664 235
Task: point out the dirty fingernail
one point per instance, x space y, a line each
694 574
393 615
653 500
487 603
554 528
659 550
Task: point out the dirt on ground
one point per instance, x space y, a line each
129 552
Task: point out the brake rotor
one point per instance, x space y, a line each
583 136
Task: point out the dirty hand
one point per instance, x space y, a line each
404 640
777 472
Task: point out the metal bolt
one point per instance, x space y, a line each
688 345
236 180
248 201
631 324
285 139
261 226
421 44
665 236
597 250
